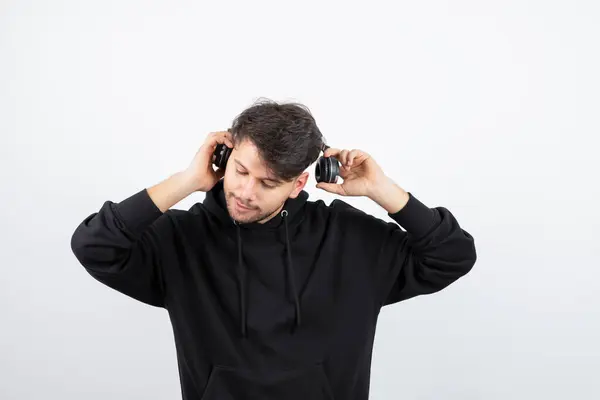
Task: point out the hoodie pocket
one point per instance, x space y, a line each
231 383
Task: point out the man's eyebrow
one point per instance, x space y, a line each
262 178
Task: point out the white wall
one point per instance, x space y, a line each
489 109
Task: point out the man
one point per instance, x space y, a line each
273 296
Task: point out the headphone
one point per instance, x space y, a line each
327 169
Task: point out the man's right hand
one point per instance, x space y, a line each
200 171
199 176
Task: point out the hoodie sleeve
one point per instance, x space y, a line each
431 253
120 246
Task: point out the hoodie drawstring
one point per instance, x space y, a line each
290 268
242 277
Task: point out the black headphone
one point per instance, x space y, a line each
327 169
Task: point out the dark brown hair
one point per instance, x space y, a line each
285 134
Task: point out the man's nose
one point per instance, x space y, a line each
248 191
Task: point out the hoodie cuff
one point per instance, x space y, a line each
415 217
138 211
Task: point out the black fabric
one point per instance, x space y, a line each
281 310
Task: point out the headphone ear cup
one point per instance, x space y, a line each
327 169
221 155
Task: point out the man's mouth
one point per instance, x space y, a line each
242 206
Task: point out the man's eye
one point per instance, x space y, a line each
264 184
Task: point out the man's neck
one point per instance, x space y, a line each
270 217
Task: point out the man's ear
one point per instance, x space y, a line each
299 184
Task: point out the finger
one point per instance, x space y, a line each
344 172
331 152
343 157
352 155
221 137
330 187
227 138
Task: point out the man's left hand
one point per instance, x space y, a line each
363 177
359 171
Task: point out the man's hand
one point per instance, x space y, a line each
359 171
200 171
198 176
362 176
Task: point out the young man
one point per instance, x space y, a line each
273 296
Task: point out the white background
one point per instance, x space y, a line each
489 109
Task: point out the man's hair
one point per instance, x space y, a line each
285 134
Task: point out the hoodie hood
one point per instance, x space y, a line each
290 215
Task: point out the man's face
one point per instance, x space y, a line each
248 181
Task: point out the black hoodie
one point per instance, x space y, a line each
281 310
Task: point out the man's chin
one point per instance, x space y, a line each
242 217
245 217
